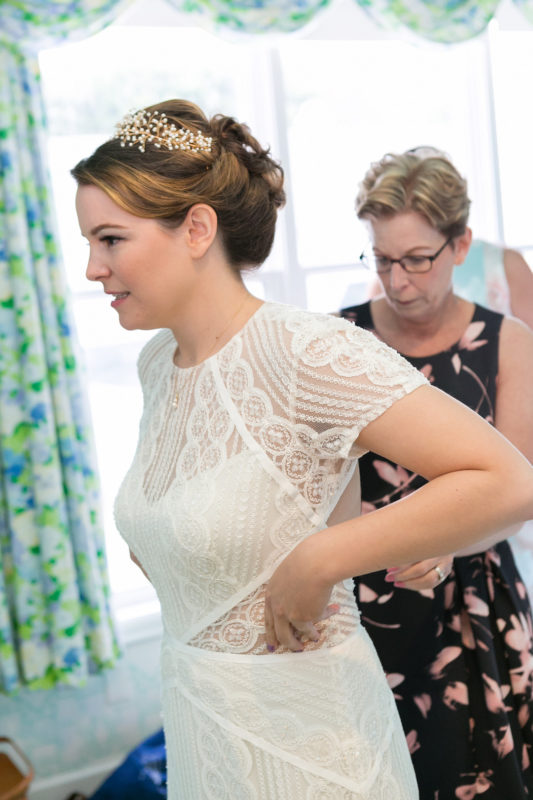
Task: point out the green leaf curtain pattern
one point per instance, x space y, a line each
259 16
444 21
55 623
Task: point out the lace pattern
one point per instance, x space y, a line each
242 630
332 721
239 459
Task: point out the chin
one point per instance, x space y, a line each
129 325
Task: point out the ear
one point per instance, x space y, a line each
462 246
200 227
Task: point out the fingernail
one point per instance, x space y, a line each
400 585
270 648
334 607
389 578
393 569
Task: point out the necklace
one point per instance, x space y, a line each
175 399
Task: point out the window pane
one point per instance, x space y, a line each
512 75
335 289
348 103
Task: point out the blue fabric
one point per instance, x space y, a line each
141 776
469 277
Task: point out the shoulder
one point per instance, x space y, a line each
515 352
359 314
156 354
322 345
491 318
515 334
305 327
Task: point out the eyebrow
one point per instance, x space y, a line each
99 228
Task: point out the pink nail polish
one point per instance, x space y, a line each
389 578
400 585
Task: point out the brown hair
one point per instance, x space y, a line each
237 178
422 180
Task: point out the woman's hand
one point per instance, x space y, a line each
296 597
421 575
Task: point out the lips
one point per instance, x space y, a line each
120 297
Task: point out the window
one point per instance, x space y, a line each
327 109
512 67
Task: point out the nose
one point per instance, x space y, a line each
96 268
398 277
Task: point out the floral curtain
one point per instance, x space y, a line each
257 16
443 21
55 623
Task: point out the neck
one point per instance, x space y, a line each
424 327
422 336
218 310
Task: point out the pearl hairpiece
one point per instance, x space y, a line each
141 127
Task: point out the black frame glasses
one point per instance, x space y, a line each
411 264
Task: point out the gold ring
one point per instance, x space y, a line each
440 573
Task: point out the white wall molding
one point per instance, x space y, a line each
85 780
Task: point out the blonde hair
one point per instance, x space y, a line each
423 180
235 176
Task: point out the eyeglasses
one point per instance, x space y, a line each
416 264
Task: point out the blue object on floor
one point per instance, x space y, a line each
142 775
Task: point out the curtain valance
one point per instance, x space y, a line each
34 25
37 24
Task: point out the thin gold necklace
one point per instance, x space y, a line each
175 399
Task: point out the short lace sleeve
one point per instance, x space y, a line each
344 379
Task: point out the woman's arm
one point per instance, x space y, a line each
136 561
520 280
513 418
514 395
478 485
514 402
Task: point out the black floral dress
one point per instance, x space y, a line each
458 658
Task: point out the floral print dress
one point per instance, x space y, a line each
459 658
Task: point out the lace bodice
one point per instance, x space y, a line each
244 455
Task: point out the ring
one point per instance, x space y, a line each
440 573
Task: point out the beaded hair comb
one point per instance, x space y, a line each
142 127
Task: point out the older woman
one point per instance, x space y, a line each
457 648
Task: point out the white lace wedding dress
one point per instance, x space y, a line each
239 459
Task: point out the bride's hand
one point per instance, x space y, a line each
296 598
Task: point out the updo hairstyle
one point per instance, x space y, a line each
237 178
422 180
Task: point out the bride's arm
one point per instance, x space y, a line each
479 484
513 418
